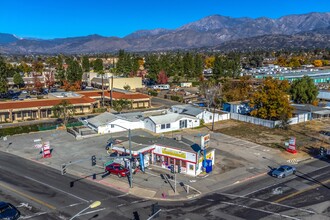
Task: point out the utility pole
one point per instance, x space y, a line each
111 91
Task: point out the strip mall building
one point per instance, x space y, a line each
83 103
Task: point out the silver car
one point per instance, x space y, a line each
283 171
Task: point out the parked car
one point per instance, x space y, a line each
8 211
24 92
15 98
117 169
283 171
27 97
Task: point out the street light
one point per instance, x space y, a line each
130 153
91 206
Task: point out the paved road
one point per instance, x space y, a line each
48 194
301 196
155 101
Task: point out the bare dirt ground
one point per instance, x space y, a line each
308 136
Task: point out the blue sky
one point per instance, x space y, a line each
65 18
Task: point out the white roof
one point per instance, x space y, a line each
169 118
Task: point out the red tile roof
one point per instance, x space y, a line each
115 94
43 103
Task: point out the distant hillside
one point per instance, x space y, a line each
216 31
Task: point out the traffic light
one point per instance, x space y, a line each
179 169
63 169
154 209
172 168
93 160
322 151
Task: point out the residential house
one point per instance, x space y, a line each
170 122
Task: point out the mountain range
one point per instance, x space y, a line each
214 32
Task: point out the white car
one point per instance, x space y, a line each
24 92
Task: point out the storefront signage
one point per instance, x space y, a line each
174 153
205 141
208 156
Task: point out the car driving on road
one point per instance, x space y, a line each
283 171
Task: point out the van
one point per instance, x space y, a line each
161 86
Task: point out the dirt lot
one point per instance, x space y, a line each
308 137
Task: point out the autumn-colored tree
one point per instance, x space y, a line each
271 101
49 79
67 86
237 90
317 63
162 77
37 84
209 61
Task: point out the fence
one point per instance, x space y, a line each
253 120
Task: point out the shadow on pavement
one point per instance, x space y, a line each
85 177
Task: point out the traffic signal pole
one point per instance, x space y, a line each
130 155
175 183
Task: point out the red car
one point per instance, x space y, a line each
117 169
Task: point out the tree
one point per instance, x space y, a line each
162 77
64 110
37 66
317 63
209 61
74 71
3 76
304 91
85 64
127 87
198 65
218 67
25 68
37 84
60 75
270 101
119 105
18 80
49 80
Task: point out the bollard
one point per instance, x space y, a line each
164 195
94 176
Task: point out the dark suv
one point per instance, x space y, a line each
8 211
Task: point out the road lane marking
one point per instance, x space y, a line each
28 196
67 193
87 213
265 201
122 195
301 191
32 216
120 205
261 210
284 180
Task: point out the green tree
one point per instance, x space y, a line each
64 110
198 65
3 76
119 105
218 67
60 75
85 64
304 91
270 101
74 71
188 66
18 80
